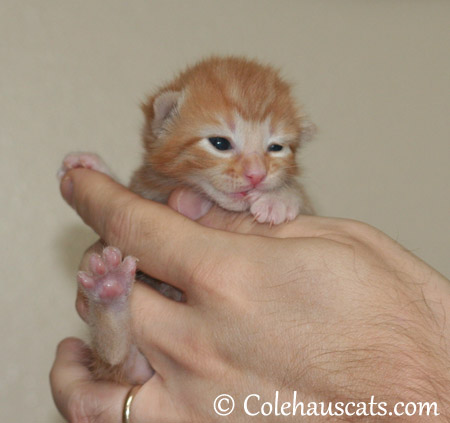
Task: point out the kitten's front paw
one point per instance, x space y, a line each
85 160
110 279
275 208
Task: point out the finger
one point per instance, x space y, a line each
170 247
76 395
159 325
196 207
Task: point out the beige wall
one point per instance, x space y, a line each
374 75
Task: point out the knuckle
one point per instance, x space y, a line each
203 273
224 280
81 409
76 410
53 375
355 226
347 231
118 224
194 353
360 232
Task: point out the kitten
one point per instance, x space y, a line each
227 128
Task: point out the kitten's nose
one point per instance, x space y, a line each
254 168
255 177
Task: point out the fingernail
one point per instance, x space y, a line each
66 188
192 205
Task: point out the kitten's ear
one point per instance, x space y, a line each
308 130
165 106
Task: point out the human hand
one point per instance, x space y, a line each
332 309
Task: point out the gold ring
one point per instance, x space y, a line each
127 404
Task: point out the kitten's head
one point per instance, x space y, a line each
227 127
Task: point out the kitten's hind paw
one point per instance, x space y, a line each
84 160
110 279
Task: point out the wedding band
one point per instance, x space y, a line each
127 404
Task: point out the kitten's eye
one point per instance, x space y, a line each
275 147
220 143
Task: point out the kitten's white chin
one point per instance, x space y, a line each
234 205
227 201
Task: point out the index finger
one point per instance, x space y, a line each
170 247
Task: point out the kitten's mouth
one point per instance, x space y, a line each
235 201
239 195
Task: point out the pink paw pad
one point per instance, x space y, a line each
83 160
110 279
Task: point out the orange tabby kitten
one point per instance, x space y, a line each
229 129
